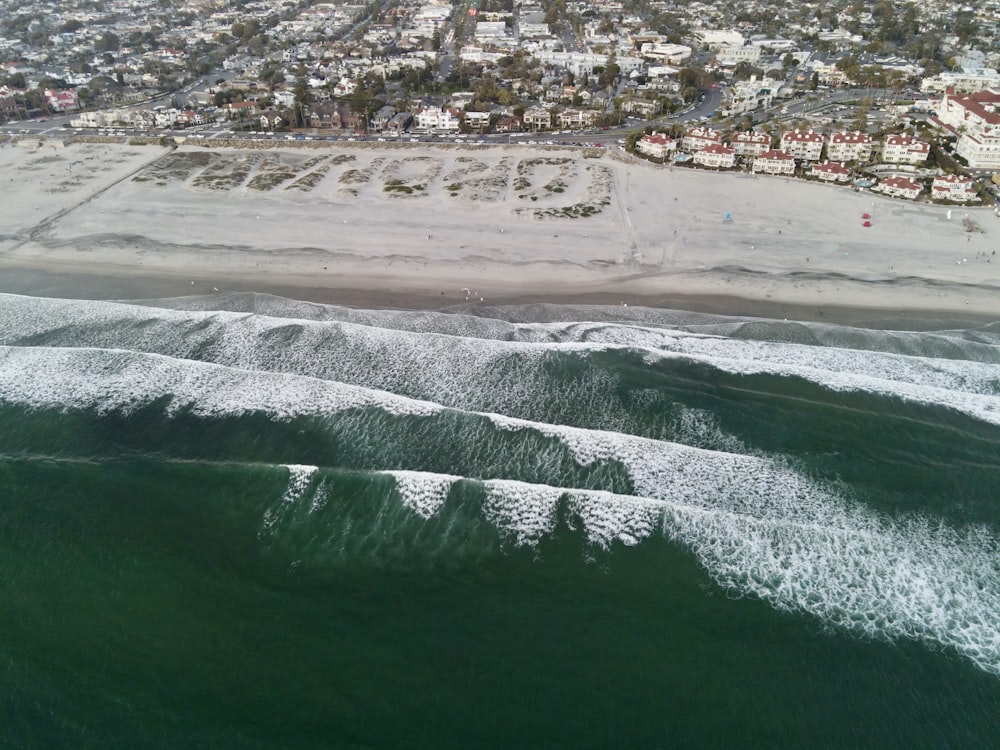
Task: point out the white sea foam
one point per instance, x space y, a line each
422 492
299 479
526 511
485 374
122 381
758 526
609 518
883 578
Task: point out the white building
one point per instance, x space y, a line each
435 119
774 162
657 146
697 139
752 95
904 149
716 156
750 143
975 119
830 171
899 187
967 81
715 39
802 144
537 117
577 118
665 54
733 55
854 146
953 187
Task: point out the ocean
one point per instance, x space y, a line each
253 522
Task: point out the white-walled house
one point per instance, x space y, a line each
716 156
657 145
856 146
774 161
899 187
750 143
697 139
432 118
953 187
802 144
905 149
830 171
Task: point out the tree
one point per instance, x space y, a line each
303 97
109 42
814 82
631 139
610 73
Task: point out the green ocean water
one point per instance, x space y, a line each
242 521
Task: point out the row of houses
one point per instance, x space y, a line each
773 161
803 145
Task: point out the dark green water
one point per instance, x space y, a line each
292 526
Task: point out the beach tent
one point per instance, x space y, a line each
867 224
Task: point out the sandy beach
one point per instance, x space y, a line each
420 226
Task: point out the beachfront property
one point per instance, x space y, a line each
774 161
904 149
802 144
830 171
975 120
577 118
750 143
716 156
537 118
434 118
899 187
698 138
953 187
854 146
656 146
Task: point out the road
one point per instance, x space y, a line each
701 111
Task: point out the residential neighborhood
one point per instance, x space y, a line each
856 84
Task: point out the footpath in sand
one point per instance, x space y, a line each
502 223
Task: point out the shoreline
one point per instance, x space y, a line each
443 228
134 286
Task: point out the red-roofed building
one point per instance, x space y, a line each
716 156
904 149
854 146
62 101
830 171
697 139
657 145
750 143
899 187
953 187
802 144
975 119
774 162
